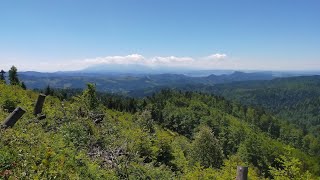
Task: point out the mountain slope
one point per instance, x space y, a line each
162 140
295 99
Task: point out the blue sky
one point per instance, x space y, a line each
52 35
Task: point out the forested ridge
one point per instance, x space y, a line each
296 99
169 135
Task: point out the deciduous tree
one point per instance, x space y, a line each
207 149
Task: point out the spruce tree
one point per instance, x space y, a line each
2 77
13 76
48 91
90 97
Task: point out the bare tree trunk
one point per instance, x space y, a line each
13 117
242 173
39 104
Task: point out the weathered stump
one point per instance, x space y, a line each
41 116
39 104
13 117
96 117
242 173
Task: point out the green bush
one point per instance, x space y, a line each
9 105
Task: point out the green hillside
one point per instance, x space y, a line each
171 135
296 99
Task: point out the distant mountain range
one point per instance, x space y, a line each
127 82
140 69
123 79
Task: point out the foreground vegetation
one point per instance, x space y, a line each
170 135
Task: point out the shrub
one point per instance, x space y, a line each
9 105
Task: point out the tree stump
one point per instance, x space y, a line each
41 116
96 117
13 117
242 173
39 104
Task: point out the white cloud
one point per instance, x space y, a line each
169 61
209 62
129 59
217 56
139 59
213 61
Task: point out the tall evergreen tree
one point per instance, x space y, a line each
2 77
48 91
90 96
13 76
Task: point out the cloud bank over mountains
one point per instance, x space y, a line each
213 61
207 62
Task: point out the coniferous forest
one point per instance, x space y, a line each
171 134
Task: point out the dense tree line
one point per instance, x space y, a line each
111 101
172 109
295 99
